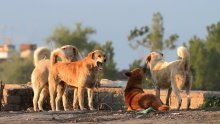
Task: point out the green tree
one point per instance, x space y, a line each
198 52
110 71
137 63
152 38
80 38
205 59
16 70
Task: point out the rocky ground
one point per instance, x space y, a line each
191 116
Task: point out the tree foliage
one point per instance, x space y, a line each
152 38
205 59
16 70
80 38
62 35
109 70
137 63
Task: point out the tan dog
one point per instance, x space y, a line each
39 77
80 74
171 75
135 97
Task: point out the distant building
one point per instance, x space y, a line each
27 50
6 51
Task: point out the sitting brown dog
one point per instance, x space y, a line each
135 97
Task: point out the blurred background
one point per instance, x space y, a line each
126 30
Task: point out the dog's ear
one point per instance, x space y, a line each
75 51
128 74
144 69
92 55
148 58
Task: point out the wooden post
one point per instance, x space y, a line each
1 94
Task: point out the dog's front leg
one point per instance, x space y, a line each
157 92
75 99
80 94
90 98
168 96
65 100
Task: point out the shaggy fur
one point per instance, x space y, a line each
80 74
135 97
171 75
39 77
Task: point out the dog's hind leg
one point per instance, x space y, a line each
188 98
90 98
35 98
188 84
168 96
176 91
60 90
43 93
52 90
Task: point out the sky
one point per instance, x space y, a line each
29 21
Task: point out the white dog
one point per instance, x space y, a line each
171 75
39 76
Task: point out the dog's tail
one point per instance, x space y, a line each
41 53
183 54
57 53
163 108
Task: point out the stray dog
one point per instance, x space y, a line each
39 77
171 75
135 97
79 74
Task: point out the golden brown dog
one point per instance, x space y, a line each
40 73
135 97
80 74
171 75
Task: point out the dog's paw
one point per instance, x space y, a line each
83 109
41 110
92 109
76 109
66 109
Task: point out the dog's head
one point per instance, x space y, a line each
154 56
98 58
136 76
71 53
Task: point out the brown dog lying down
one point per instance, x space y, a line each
135 97
80 74
39 77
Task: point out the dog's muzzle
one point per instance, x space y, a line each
99 65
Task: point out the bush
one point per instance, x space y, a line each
210 102
16 70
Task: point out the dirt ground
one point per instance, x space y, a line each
113 117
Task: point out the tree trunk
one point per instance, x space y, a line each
1 94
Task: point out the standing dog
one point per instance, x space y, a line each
80 74
171 75
39 77
135 97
